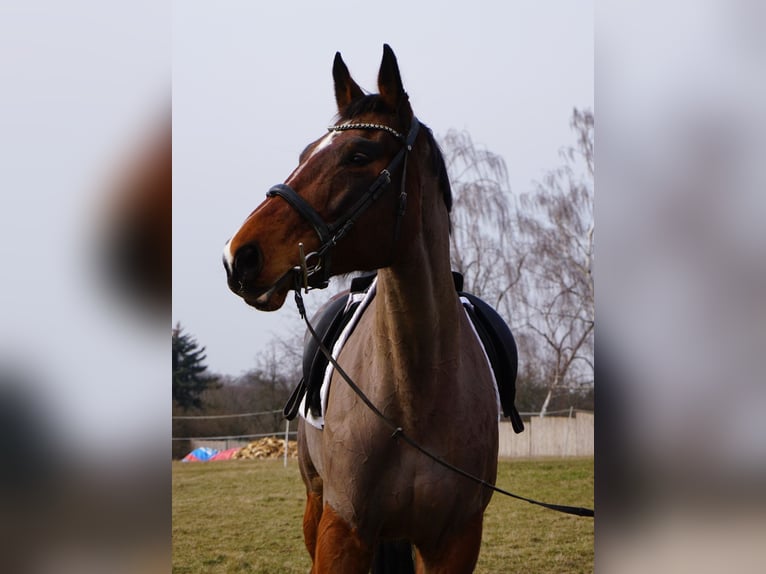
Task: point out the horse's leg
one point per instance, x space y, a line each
314 489
339 548
455 555
311 518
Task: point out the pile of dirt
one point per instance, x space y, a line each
268 447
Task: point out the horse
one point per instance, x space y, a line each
373 194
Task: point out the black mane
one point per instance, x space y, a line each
373 103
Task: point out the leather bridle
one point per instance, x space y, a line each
314 269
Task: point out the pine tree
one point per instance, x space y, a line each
189 371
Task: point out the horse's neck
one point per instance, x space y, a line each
417 312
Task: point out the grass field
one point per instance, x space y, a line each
245 516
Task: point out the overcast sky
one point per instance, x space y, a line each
252 85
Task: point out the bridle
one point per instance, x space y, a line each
314 269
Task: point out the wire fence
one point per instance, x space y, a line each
233 436
570 412
201 417
227 437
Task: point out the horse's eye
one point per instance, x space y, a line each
359 158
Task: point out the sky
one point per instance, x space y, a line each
253 85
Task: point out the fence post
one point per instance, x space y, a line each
287 432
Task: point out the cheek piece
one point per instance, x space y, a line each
314 269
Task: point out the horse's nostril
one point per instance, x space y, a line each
247 261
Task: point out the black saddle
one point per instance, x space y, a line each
494 333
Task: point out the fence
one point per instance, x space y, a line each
239 441
556 436
549 436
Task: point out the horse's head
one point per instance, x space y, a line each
343 206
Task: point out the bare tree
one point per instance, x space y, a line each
482 220
556 231
532 261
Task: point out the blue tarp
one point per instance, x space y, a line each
200 454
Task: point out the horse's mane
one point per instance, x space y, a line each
373 103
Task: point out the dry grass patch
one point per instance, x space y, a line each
245 516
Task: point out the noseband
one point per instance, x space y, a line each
314 269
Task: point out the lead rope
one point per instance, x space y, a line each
398 432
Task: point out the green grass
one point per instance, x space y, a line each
522 537
245 516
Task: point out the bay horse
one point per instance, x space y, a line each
373 194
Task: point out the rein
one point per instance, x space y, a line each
398 432
317 274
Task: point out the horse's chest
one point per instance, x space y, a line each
398 492
371 476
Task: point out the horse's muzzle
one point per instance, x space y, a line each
243 267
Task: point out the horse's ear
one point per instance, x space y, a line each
346 89
390 83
